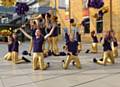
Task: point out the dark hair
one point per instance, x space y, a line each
72 20
48 15
92 33
43 15
34 22
59 24
55 18
40 20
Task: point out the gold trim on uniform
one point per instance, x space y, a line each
55 48
38 61
114 50
8 56
72 58
16 59
94 48
107 58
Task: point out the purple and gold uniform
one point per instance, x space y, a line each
76 33
38 42
107 55
72 48
10 47
115 47
15 46
54 37
94 43
8 56
15 50
49 40
38 58
37 45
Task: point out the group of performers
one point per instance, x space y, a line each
46 29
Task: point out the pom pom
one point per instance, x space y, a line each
25 52
21 8
96 3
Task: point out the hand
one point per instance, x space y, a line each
23 25
20 29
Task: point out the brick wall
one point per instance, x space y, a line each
77 6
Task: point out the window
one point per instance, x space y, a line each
86 25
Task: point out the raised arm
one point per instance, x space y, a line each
50 32
34 18
102 41
3 42
26 34
46 21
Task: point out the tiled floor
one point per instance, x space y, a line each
91 75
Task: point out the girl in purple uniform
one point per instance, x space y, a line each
94 43
37 45
107 50
15 51
72 50
8 56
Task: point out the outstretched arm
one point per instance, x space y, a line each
3 42
34 18
102 40
26 34
46 21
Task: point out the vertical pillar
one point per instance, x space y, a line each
111 25
69 15
55 7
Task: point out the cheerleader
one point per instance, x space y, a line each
94 43
54 36
107 54
38 40
79 39
48 29
42 25
33 27
15 51
72 51
8 56
76 32
114 44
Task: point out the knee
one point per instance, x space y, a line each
78 66
65 66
